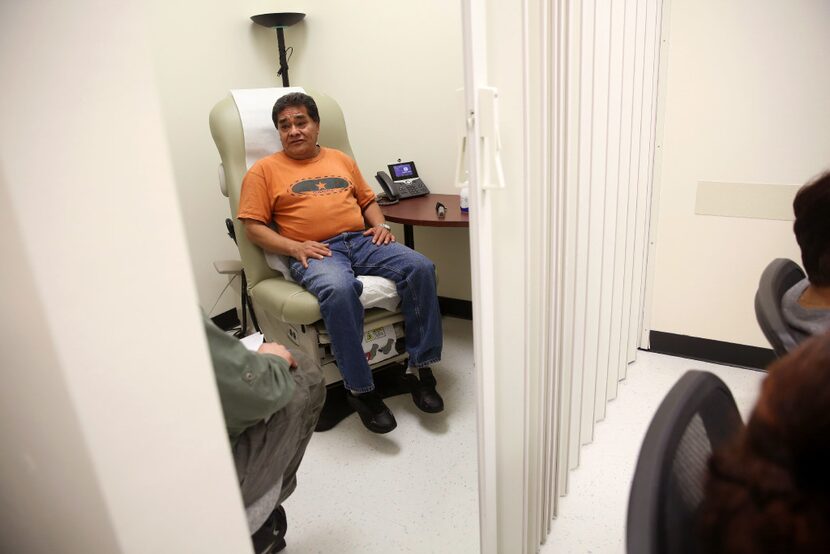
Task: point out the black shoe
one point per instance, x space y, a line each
374 414
270 538
423 391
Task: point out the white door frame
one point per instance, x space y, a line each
475 71
509 343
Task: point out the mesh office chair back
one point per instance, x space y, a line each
696 417
778 277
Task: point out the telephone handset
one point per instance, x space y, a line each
406 183
390 189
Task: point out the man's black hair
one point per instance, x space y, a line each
295 99
812 228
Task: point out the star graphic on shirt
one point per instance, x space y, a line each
322 185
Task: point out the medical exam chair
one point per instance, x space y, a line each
286 312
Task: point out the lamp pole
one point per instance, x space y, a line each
283 61
279 21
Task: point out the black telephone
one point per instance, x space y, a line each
406 184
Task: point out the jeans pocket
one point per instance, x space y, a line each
297 271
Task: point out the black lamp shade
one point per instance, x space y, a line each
282 19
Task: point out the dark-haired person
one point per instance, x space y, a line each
271 400
327 220
768 491
806 305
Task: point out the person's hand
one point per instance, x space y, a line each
382 235
310 249
277 350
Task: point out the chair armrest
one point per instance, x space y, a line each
227 267
288 301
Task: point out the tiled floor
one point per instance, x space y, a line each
415 489
592 515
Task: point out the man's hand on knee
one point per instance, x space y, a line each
310 249
277 350
380 235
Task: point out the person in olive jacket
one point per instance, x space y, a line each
271 400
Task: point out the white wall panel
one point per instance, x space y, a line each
648 114
557 46
601 281
625 216
569 438
541 421
611 306
594 181
590 105
612 56
583 160
649 215
633 176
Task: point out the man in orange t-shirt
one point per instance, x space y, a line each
327 220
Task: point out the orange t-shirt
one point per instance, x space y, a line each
313 199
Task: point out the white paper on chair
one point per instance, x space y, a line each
280 263
255 105
379 344
378 292
253 342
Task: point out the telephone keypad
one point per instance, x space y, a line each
415 187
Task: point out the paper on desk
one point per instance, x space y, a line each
253 342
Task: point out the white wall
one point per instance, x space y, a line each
201 50
112 431
746 102
40 426
392 65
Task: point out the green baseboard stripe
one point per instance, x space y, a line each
453 307
707 350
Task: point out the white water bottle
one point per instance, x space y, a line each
465 199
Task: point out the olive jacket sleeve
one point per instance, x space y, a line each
251 386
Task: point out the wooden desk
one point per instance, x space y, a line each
421 211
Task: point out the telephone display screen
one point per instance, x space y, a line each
403 171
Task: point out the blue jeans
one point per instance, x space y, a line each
333 281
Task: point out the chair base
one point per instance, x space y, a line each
389 381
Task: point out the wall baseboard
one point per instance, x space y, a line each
453 307
708 350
